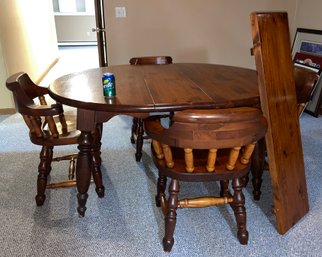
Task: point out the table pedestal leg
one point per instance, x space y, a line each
83 170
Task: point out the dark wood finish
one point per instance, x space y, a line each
274 65
100 33
205 145
314 107
305 81
150 60
188 86
40 116
137 131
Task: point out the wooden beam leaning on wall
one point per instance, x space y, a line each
272 51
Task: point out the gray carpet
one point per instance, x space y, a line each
126 222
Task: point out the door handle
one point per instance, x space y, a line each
97 30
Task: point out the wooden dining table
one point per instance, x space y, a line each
144 90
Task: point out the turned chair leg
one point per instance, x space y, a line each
245 180
134 129
257 168
139 140
49 159
162 183
171 118
224 190
44 168
171 216
238 205
97 176
96 170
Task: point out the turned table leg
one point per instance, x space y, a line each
83 170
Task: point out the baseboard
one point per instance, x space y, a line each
77 43
6 111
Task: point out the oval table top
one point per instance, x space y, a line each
154 88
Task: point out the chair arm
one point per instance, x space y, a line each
153 127
42 110
217 115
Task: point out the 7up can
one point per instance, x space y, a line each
108 80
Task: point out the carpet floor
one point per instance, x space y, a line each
126 221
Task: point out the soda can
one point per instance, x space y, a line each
108 80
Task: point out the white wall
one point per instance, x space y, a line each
6 101
215 31
27 39
74 21
79 28
308 14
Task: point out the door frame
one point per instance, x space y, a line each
100 33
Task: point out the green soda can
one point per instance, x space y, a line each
108 80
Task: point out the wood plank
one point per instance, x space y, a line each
84 90
228 86
168 86
272 51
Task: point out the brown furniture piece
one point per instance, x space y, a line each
272 51
48 127
305 81
200 146
165 88
150 60
137 131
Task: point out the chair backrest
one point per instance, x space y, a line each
150 60
36 116
235 128
24 91
305 81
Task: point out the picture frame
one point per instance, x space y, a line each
307 50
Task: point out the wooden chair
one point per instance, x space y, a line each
205 145
137 131
151 60
48 127
305 82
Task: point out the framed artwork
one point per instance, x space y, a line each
307 50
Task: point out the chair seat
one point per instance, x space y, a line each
63 139
68 137
200 173
71 117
